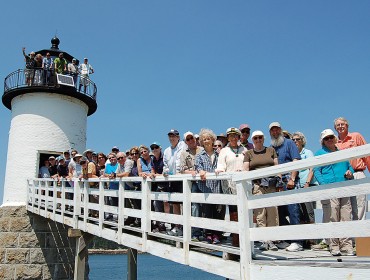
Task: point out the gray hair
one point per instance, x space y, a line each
204 132
301 136
341 119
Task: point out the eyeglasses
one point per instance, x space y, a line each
119 158
110 158
133 154
190 138
330 137
296 139
257 137
82 162
143 152
154 148
101 158
246 131
215 146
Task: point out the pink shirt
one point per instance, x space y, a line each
355 139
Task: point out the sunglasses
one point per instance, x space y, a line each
246 131
215 146
100 158
154 148
133 154
190 138
119 158
111 158
331 137
296 139
144 152
257 137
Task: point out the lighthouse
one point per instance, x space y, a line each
47 119
49 113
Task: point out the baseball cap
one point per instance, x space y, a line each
60 158
115 148
154 144
233 130
326 132
196 136
174 132
87 151
274 124
257 133
52 157
244 126
74 59
186 134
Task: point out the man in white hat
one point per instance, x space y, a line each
287 152
85 70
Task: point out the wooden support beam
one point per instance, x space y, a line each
81 253
131 264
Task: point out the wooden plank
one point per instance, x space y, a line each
166 218
215 265
165 196
262 272
312 231
221 225
341 189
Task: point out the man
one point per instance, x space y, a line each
60 64
115 149
171 162
287 152
48 66
349 140
67 157
246 131
53 167
187 166
110 172
88 154
30 65
73 70
85 70
223 138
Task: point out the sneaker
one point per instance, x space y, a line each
335 253
272 246
294 247
195 238
320 246
209 239
346 253
216 239
263 247
176 231
282 245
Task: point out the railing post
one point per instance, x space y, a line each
76 201
101 205
244 230
186 209
86 188
145 211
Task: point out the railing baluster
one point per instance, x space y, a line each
186 206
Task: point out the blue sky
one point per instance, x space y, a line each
194 64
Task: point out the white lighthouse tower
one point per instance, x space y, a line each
47 118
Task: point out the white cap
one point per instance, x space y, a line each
186 134
233 130
326 132
274 124
257 133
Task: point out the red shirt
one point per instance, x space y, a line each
355 139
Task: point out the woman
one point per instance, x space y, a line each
306 177
257 158
335 209
231 160
206 161
145 165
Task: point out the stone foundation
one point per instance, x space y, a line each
32 247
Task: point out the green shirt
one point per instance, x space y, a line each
60 65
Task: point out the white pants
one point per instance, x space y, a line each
358 202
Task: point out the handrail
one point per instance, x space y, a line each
38 77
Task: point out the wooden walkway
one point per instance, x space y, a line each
47 199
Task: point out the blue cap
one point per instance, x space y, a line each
174 132
154 144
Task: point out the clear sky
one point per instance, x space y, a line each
203 63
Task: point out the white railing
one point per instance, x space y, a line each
47 199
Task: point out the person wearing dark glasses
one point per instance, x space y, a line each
335 209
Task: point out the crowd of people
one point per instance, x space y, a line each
204 153
42 70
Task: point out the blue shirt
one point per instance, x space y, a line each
305 153
287 151
109 169
203 162
331 173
